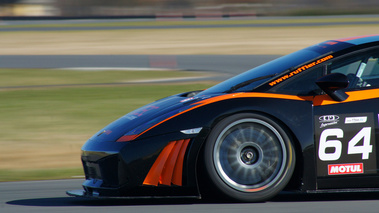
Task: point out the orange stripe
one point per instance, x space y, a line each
232 96
353 96
155 172
168 170
177 178
253 95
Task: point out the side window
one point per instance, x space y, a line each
348 66
346 69
370 75
362 70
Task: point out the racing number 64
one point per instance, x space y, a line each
353 148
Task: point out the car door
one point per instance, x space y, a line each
346 132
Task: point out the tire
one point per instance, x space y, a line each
248 158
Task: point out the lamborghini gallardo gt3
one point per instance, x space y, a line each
307 121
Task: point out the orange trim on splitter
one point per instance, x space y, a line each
168 167
154 174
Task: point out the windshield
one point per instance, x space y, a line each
265 72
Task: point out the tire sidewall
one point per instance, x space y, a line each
232 193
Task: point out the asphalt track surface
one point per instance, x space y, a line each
49 197
224 64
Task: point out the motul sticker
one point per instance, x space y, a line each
343 169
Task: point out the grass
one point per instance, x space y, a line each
42 129
40 174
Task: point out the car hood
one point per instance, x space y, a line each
138 121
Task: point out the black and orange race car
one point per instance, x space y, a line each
307 121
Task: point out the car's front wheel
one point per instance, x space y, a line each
249 157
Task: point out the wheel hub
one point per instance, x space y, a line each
249 155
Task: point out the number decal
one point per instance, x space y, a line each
336 144
364 149
345 144
353 147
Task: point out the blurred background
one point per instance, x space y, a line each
174 8
70 67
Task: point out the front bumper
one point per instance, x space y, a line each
119 169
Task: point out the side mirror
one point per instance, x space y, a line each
333 84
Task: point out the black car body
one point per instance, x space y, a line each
307 121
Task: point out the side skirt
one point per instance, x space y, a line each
342 190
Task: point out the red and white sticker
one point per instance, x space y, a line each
343 169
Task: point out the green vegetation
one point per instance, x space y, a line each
40 174
43 128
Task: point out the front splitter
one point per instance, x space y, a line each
84 194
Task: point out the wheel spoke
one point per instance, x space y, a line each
245 174
260 135
240 133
